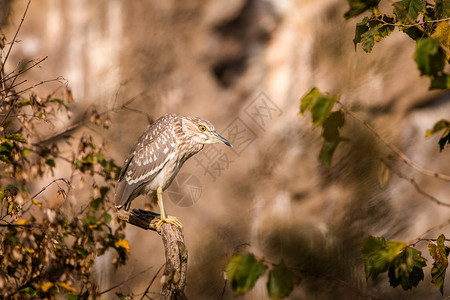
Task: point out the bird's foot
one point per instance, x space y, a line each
171 220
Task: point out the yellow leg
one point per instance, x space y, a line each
164 217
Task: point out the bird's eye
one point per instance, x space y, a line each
202 127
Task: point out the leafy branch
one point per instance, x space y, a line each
401 260
49 247
431 33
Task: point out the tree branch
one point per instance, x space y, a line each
174 276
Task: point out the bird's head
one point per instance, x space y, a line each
203 132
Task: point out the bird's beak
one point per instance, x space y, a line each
217 137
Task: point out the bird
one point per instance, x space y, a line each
157 157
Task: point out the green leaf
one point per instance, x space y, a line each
442 9
332 124
25 102
319 104
103 191
361 28
107 218
29 292
71 297
327 151
50 162
445 138
384 30
407 269
281 281
430 58
368 40
359 6
243 271
413 32
331 135
7 123
60 102
121 296
372 30
307 100
89 220
82 252
15 137
408 8
441 82
438 126
6 147
26 151
378 255
373 262
440 255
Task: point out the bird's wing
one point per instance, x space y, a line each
154 149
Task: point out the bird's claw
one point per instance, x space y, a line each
171 220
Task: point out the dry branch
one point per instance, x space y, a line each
174 276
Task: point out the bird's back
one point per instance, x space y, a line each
153 150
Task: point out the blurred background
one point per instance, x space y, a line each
244 65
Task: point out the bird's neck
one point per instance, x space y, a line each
189 151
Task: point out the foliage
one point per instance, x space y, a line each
48 242
431 33
445 137
243 270
439 252
403 262
320 106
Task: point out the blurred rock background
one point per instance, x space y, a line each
223 60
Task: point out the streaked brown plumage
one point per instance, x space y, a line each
156 158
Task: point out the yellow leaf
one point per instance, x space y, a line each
29 250
123 244
22 222
67 287
383 175
36 203
442 33
46 286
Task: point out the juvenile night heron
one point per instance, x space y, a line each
158 155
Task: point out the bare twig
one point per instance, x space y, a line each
15 35
10 75
67 182
419 189
123 282
394 149
85 119
11 87
151 282
61 133
412 25
420 237
34 85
